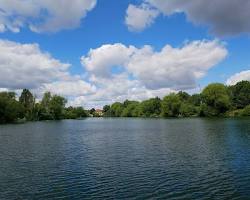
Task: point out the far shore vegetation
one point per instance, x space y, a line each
216 100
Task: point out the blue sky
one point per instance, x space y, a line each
109 22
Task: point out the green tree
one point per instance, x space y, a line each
46 99
216 100
106 108
80 112
26 99
171 105
116 109
195 100
131 109
151 107
51 107
106 111
28 102
240 94
74 113
44 107
183 96
56 106
92 111
10 109
187 110
38 112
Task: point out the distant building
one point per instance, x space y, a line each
99 112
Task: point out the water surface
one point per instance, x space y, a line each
126 159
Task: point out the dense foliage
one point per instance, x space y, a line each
215 100
240 94
52 107
10 108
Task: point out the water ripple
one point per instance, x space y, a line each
126 159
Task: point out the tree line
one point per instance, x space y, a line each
51 107
215 100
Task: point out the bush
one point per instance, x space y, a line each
187 110
246 111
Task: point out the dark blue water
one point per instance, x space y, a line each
126 159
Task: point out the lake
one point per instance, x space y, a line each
126 159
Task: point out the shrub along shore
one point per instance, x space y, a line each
216 100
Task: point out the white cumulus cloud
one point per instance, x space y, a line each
223 17
140 17
71 88
176 68
43 15
26 66
101 60
241 76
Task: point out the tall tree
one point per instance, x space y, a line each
46 100
240 94
10 109
106 111
44 107
116 109
57 105
216 100
28 102
171 105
